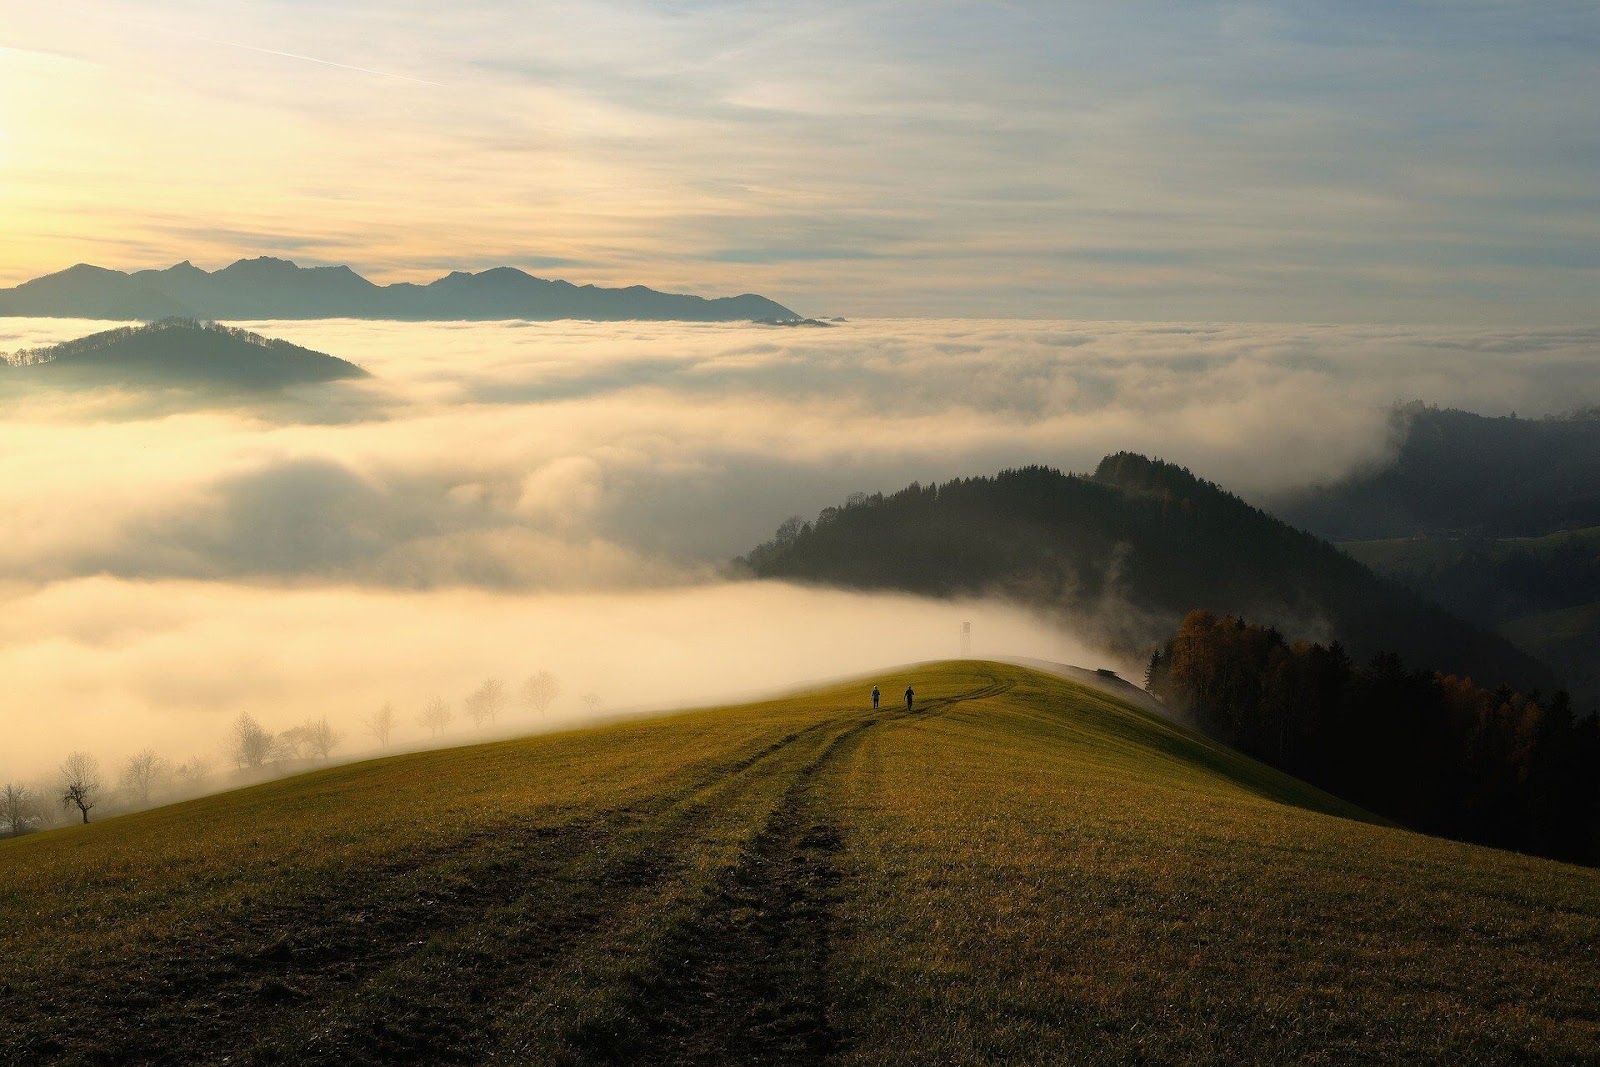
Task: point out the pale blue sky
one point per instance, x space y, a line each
1351 161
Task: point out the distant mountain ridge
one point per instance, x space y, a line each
1129 551
179 353
268 288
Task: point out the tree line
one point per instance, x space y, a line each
1433 751
80 785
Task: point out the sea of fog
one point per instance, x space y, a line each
507 497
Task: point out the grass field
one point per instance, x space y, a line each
1561 635
1428 553
1022 871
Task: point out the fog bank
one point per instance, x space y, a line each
113 667
502 498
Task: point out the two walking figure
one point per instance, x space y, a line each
910 696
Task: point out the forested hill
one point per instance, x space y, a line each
179 353
1130 549
1455 472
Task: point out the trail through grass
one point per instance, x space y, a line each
1021 871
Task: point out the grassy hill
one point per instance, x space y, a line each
1022 871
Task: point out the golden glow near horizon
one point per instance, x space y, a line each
1243 161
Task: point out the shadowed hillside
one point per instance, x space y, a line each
181 352
1022 871
1132 549
1459 473
1497 519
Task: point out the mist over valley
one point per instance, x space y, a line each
566 473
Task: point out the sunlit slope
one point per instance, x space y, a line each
1023 871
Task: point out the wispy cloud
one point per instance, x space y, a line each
1312 161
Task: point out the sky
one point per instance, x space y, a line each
1338 162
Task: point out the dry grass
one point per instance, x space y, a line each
1024 873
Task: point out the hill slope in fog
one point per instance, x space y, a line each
1130 550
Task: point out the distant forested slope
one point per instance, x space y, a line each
182 353
1130 549
1455 472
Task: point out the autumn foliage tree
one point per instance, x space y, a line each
1434 751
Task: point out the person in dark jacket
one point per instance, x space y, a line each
910 695
874 698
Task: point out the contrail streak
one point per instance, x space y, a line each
267 51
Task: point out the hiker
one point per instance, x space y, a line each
910 694
874 698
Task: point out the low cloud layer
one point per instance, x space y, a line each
582 455
504 497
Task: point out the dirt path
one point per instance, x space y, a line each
745 977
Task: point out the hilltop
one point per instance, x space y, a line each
1129 551
269 288
181 353
1023 871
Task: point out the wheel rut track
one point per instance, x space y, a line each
417 1010
292 953
745 981
317 979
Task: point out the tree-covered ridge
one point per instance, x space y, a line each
1436 752
97 342
1130 549
179 352
1455 472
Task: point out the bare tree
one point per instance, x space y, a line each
80 783
19 809
294 743
250 746
193 775
322 738
540 691
591 702
380 725
144 775
486 702
435 716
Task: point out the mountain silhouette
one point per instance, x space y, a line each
268 288
180 353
